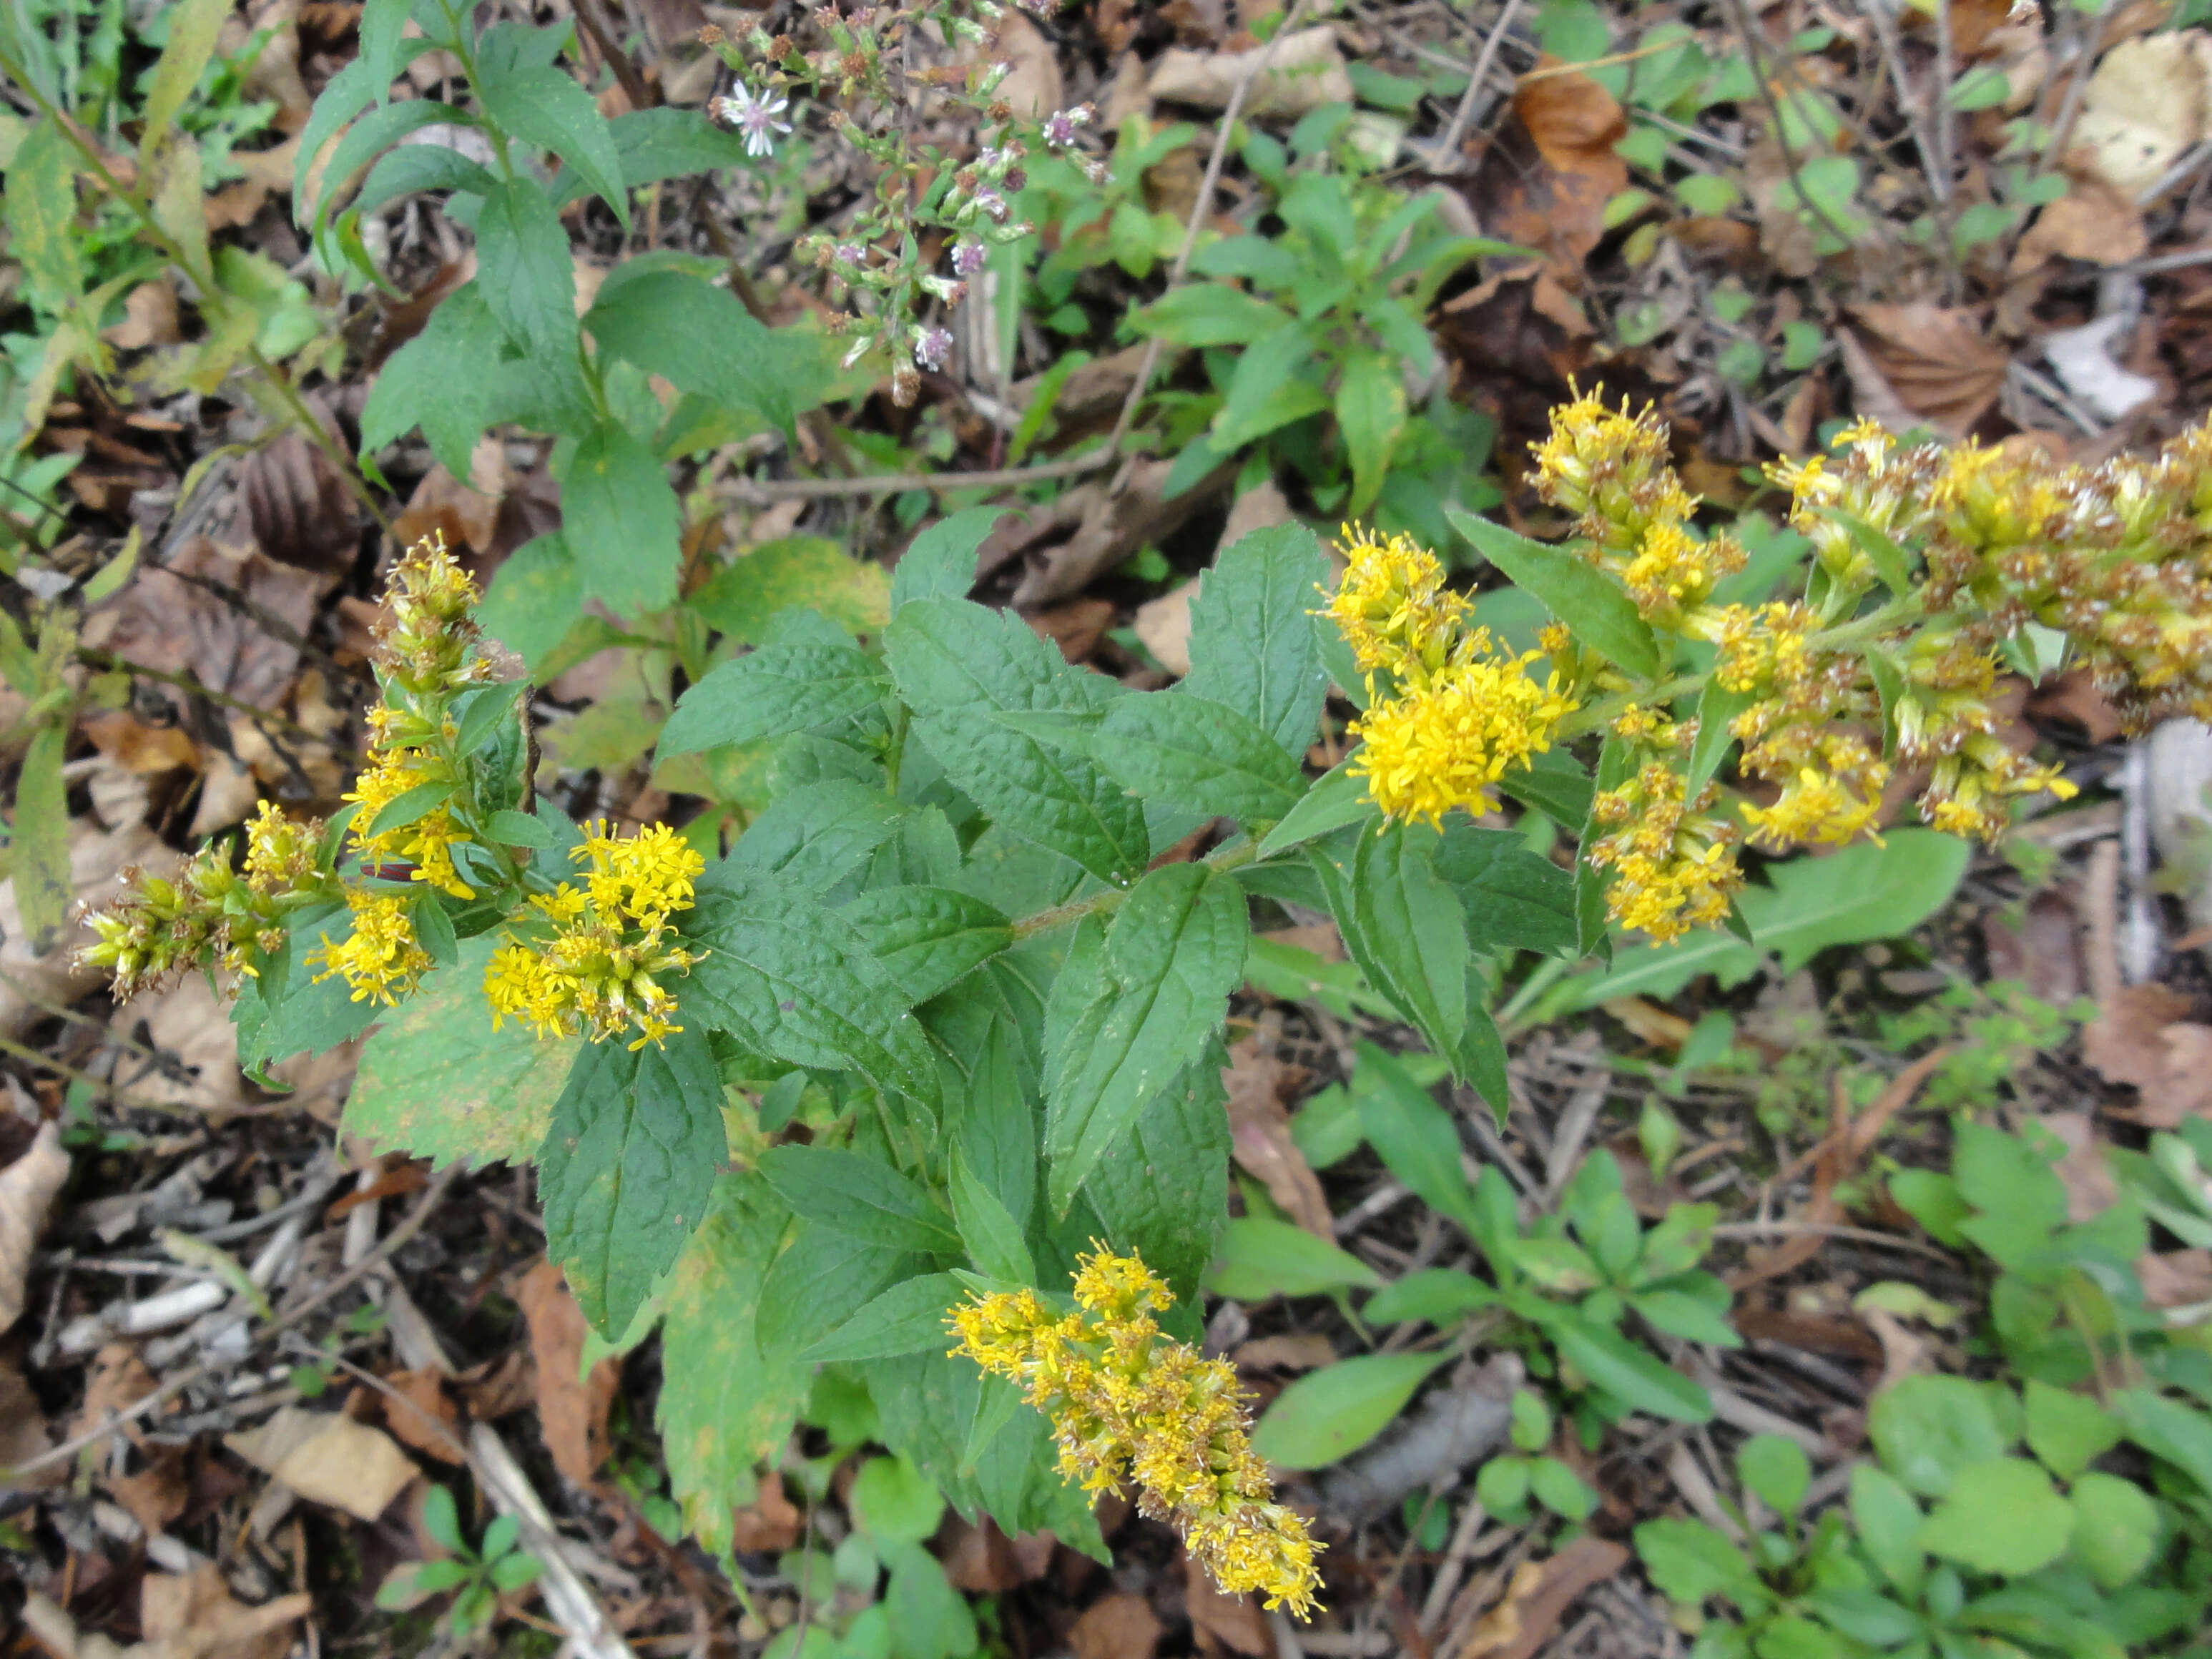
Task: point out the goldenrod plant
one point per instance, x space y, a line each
941 1031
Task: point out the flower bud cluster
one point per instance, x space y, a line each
926 205
1672 858
1129 1404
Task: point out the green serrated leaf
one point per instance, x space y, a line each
1590 604
957 665
193 28
622 522
788 977
928 938
544 107
698 338
861 1196
940 563
776 690
1165 1197
1157 987
625 1166
529 281
1196 754
1336 799
908 1318
993 1237
1252 643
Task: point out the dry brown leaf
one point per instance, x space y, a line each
298 505
23 1431
328 1458
2091 1187
771 1522
1234 1622
191 1026
984 1561
497 1388
1307 1351
1649 1024
1787 241
163 621
1544 182
2091 222
2177 1279
1574 121
1935 361
149 318
117 1380
1540 1596
195 1616
1162 628
1260 1133
158 1494
26 1191
1032 88
2141 1038
423 1415
2144 106
571 1413
1117 1627
1303 72
465 514
1075 627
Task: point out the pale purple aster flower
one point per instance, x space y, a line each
993 203
754 116
932 347
968 259
1060 126
850 253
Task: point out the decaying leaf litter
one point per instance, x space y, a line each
264 1343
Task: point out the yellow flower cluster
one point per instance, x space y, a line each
1126 1403
589 960
1675 865
1450 713
428 640
380 960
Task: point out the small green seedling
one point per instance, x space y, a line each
478 1577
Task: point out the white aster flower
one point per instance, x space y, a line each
752 114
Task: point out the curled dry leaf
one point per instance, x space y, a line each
1162 628
328 1458
1117 1627
118 1380
1544 182
2091 1189
2144 106
1935 361
1234 1621
2142 1038
1303 72
1537 1605
572 1411
26 1191
298 506
2176 1279
2091 222
1260 1133
770 1523
194 1616
420 1414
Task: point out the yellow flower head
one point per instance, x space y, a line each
1128 1403
592 964
428 842
280 854
1392 607
1815 808
1674 867
381 959
1446 744
1673 570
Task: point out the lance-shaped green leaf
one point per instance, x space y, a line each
623 1173
1337 798
1330 1413
1252 642
789 977
696 337
862 1197
1133 1005
957 665
928 937
908 1318
774 691
940 562
1588 601
541 105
